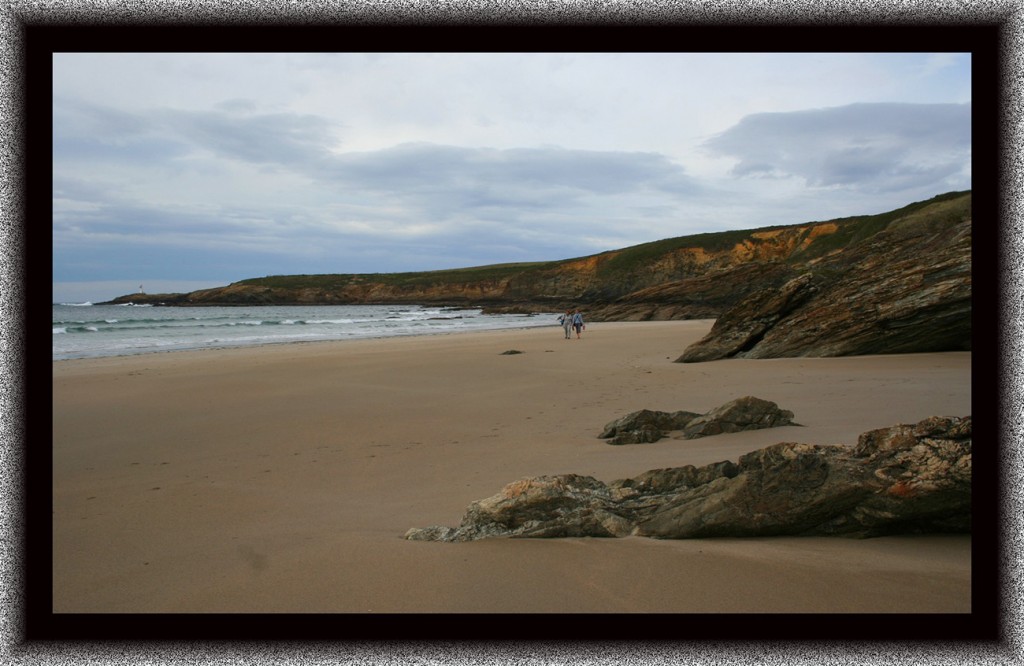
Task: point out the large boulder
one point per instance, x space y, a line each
567 505
904 479
747 413
646 425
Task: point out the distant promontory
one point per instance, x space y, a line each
893 282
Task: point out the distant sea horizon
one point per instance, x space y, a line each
87 330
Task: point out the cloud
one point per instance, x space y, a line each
306 145
871 147
227 166
488 176
280 138
235 179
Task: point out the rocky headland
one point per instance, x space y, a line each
887 283
905 289
899 480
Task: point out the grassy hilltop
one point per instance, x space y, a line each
713 269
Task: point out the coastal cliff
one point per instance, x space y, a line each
713 270
907 288
896 281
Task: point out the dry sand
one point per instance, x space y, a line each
282 478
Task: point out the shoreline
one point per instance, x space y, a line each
281 478
356 333
257 345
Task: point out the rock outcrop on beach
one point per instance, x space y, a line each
904 479
905 289
746 413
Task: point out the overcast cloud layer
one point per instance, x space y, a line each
181 171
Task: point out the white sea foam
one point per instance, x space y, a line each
125 330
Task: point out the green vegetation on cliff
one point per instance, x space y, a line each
596 279
852 230
334 281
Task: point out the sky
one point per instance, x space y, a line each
181 171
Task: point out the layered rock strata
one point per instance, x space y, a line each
691 277
906 289
903 479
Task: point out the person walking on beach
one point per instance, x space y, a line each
577 323
566 322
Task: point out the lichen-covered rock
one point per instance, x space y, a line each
547 506
675 479
783 489
903 479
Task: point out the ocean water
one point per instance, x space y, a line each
85 330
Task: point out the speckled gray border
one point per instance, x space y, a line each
15 651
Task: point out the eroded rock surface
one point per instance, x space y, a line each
903 479
702 276
906 289
645 425
746 413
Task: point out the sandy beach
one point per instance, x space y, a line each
282 478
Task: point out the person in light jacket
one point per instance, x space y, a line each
577 323
566 322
